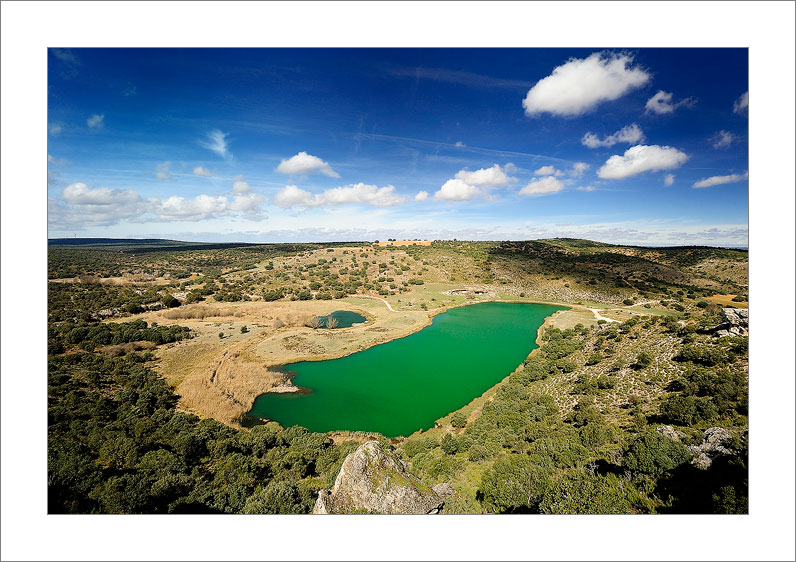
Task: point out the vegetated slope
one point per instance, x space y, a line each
582 427
600 421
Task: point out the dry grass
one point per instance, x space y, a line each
220 377
726 300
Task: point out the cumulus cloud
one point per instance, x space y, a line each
718 180
641 158
579 85
668 180
460 144
216 141
162 171
661 103
741 104
542 186
631 134
303 163
55 128
80 206
95 121
548 171
356 194
485 177
456 190
578 168
204 172
421 196
723 139
241 186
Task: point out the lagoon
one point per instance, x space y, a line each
407 384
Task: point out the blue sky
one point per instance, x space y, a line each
644 146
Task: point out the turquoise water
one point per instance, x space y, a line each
404 385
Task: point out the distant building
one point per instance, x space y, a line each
404 243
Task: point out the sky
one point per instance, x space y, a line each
645 146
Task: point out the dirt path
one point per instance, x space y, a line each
599 316
377 298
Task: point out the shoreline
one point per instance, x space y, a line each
433 313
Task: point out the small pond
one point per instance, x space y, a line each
342 319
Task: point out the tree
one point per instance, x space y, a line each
653 453
514 484
459 419
449 444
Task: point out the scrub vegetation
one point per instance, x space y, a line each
158 348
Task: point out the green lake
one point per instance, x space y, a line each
407 384
345 319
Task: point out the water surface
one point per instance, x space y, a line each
404 385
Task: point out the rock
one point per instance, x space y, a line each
670 432
713 446
736 323
372 481
443 489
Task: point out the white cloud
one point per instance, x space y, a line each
485 177
579 85
741 104
718 180
55 128
456 190
56 161
548 171
361 193
459 144
182 209
661 103
542 186
631 134
204 172
723 139
421 196
356 194
241 187
668 180
217 142
294 196
303 163
641 158
162 171
81 206
586 188
95 121
578 168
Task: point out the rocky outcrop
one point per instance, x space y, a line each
670 432
714 444
372 481
736 322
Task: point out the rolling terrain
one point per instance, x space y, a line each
159 349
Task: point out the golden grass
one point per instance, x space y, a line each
726 300
220 377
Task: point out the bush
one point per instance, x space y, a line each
652 453
459 419
514 484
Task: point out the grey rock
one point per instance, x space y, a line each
713 446
372 481
670 432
